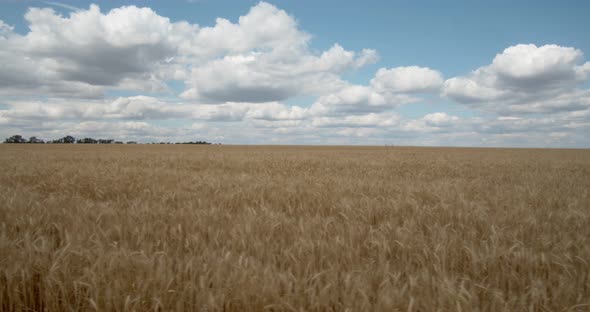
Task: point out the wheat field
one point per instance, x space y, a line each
293 228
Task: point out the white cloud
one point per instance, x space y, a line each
369 120
119 130
147 108
440 119
356 132
407 80
5 29
543 65
263 57
434 122
272 76
263 27
83 53
366 57
138 107
389 89
525 79
276 112
352 99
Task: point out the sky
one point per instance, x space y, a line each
419 73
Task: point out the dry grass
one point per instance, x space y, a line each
122 228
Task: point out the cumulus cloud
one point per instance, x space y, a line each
274 75
411 79
276 112
435 122
259 78
83 53
440 119
387 90
146 108
264 27
351 99
5 29
138 107
529 66
118 130
370 120
263 57
96 48
525 79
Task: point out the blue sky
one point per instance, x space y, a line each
431 103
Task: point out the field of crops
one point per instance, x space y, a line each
292 228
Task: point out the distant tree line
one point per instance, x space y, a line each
195 142
71 140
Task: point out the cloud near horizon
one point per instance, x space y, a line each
238 81
526 79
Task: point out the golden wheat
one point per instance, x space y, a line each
236 228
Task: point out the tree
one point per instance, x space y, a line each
87 141
197 142
67 140
16 139
34 140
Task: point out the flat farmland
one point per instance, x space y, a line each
293 228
